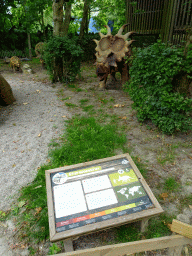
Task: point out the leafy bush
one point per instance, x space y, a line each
10 54
88 46
151 87
66 53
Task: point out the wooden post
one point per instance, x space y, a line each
68 245
175 251
144 225
128 15
166 19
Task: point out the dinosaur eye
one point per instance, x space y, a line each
118 44
104 44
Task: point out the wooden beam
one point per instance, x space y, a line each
181 228
68 245
175 251
132 247
144 225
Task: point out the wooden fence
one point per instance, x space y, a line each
174 244
168 18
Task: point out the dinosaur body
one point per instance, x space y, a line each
15 63
110 56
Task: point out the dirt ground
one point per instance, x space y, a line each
161 155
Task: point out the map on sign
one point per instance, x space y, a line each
97 193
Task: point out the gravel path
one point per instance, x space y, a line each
26 129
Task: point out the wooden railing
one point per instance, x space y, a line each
174 244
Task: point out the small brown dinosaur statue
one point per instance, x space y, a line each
15 64
110 53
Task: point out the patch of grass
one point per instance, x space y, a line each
88 108
33 215
74 87
71 86
158 226
114 119
3 215
103 101
87 140
166 152
171 184
60 92
185 201
83 101
54 249
71 105
84 140
78 89
34 61
127 233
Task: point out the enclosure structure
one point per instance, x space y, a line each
168 18
100 194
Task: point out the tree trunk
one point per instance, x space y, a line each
57 17
29 45
57 31
67 20
85 17
87 22
43 26
6 94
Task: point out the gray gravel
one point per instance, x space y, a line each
26 128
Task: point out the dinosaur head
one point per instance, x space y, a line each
112 49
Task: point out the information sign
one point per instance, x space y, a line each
94 195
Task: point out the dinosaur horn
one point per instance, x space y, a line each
101 35
108 29
127 35
121 30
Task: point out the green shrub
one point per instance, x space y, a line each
66 53
10 54
88 46
152 71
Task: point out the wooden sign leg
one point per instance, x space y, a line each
144 225
68 245
175 251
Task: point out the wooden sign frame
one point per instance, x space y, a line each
104 224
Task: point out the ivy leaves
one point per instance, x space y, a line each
152 90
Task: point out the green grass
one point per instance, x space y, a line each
78 89
71 86
87 140
185 201
158 226
166 152
84 140
87 108
83 101
127 233
171 184
68 104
